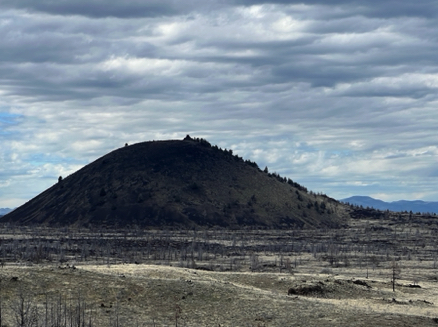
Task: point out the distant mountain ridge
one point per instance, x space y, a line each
4 211
402 205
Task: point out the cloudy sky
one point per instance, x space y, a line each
340 96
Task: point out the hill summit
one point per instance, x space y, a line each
178 184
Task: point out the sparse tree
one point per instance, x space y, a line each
395 269
254 262
24 310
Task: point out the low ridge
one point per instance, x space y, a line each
416 206
178 184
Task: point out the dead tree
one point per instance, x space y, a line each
24 310
395 268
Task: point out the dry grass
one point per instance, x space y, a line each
144 295
251 273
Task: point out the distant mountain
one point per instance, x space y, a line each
4 211
178 184
402 205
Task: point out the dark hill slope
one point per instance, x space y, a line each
177 184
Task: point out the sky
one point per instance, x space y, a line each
340 96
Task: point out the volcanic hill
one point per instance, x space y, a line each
178 184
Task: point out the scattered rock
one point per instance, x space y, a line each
306 290
414 286
361 282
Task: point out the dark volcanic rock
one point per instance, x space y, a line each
186 184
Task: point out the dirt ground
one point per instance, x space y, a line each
136 278
155 295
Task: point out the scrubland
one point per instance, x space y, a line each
379 271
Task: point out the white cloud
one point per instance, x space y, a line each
341 98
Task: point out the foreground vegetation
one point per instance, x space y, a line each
381 270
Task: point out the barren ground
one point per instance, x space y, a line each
243 278
153 295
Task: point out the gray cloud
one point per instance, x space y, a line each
369 8
135 8
99 9
339 96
